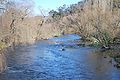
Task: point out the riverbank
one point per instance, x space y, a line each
115 54
113 51
2 60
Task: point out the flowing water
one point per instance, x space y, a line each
58 59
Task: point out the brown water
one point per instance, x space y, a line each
46 61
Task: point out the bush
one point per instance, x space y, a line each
103 38
2 45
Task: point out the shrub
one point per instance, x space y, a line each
2 45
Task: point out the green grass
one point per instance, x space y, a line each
2 45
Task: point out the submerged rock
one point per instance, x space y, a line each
62 49
117 65
81 44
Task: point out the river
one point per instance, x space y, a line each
58 58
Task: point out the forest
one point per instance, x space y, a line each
88 18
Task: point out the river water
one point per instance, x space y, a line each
58 59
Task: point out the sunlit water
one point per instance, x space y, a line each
46 60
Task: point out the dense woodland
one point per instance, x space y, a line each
95 20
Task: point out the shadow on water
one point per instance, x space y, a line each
45 60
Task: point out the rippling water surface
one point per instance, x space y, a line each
58 59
